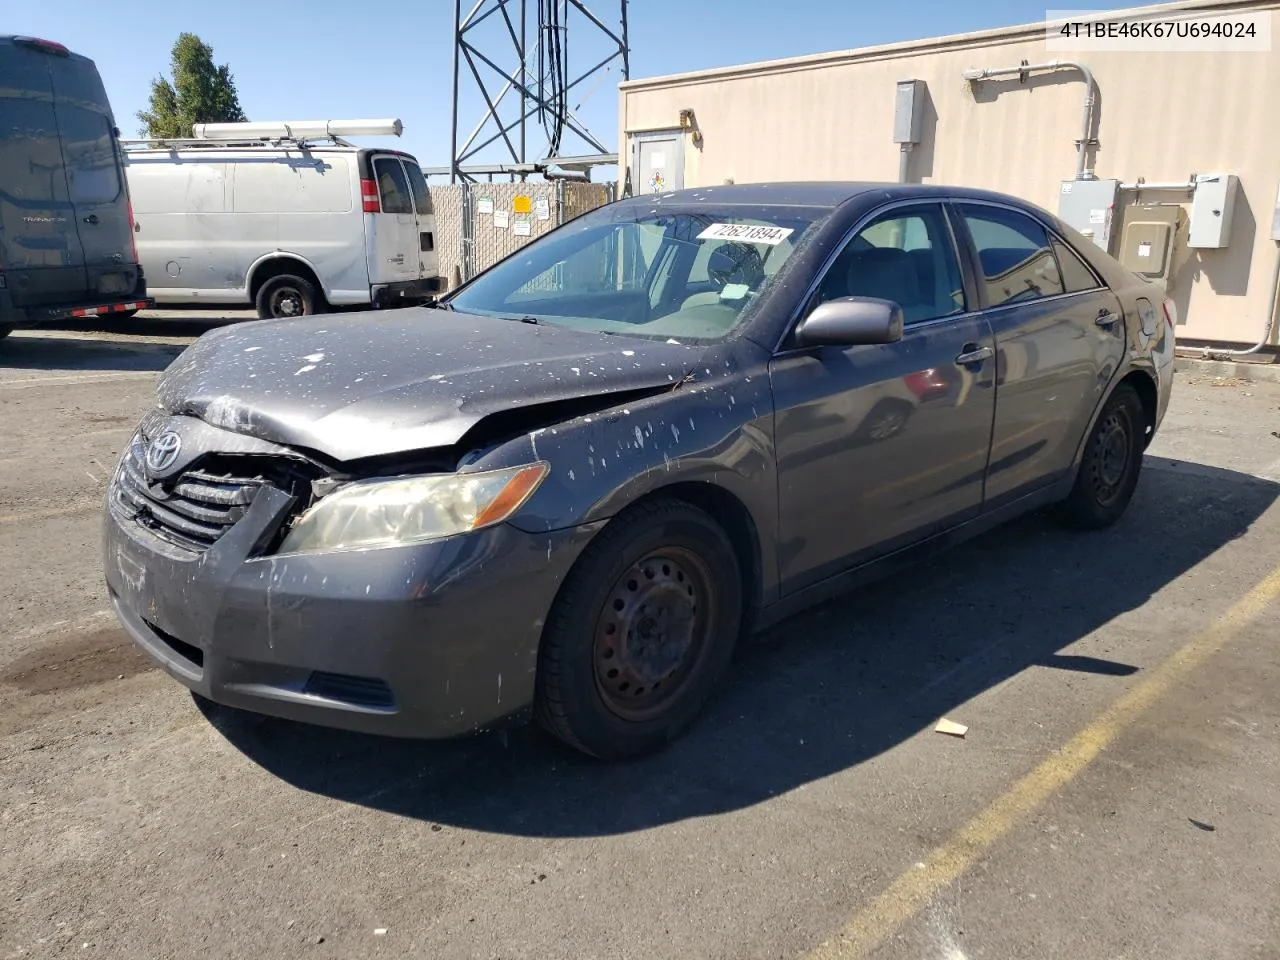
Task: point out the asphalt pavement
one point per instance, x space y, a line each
1117 794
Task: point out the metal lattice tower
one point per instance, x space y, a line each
537 123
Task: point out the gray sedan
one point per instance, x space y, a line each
569 488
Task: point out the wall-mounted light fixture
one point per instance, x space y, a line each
689 122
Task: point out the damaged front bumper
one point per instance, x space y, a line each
436 639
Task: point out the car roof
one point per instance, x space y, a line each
821 193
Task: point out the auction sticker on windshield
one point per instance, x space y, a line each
750 232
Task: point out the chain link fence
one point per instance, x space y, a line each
477 224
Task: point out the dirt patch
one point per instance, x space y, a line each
77 660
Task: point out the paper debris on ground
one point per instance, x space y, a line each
951 727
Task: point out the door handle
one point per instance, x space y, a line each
973 354
92 218
1106 319
396 259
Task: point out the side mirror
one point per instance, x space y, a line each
851 322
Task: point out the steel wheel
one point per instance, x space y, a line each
651 631
285 302
1113 443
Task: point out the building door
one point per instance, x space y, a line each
657 162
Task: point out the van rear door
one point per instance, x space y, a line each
428 259
95 178
393 229
40 250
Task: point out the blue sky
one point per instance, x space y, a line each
324 58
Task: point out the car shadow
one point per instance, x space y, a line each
819 694
85 352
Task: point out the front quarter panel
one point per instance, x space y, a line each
715 428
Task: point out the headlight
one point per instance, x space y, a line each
384 513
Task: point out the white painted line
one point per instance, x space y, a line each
80 378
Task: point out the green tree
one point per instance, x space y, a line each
200 92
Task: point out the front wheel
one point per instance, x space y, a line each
1111 463
288 296
643 629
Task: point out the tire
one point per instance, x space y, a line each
288 296
635 578
1110 466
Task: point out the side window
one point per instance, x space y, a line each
1013 249
1075 272
392 185
906 256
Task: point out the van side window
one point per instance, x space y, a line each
392 185
1017 262
91 154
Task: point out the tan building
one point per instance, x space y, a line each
1159 122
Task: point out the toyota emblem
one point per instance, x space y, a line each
163 452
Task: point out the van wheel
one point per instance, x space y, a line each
643 629
288 296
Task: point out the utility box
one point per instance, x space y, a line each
1211 210
1147 239
1089 206
908 112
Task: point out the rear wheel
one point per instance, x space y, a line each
288 296
1111 463
642 631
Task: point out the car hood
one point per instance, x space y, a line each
369 384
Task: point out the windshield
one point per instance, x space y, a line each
688 275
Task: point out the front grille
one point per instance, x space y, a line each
193 511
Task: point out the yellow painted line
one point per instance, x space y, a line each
67 511
911 891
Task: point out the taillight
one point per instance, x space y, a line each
369 196
133 240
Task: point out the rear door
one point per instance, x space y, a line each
394 228
95 177
40 251
1059 336
428 261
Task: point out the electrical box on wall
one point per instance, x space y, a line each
1088 206
908 112
1211 210
1147 239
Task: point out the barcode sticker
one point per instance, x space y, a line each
747 233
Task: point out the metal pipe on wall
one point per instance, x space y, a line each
1083 171
1211 353
904 162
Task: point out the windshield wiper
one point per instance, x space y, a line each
533 320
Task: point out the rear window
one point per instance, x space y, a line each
418 184
392 186
93 173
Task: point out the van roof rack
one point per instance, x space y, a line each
175 143
259 133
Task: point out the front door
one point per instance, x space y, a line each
657 162
1059 341
881 446
395 228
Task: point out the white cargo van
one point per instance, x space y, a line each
268 214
